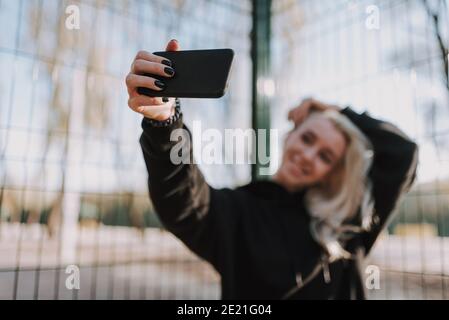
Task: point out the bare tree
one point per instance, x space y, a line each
436 10
93 110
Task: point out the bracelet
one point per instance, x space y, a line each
168 122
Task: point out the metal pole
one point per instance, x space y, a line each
260 54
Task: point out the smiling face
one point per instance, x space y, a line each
312 151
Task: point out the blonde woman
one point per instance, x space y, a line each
302 235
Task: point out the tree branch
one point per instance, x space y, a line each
444 50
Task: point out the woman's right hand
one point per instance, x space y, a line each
301 112
147 63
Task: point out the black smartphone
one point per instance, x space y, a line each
198 74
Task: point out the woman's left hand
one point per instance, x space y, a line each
301 112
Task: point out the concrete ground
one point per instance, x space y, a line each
121 263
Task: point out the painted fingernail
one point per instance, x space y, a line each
164 99
159 84
166 62
169 71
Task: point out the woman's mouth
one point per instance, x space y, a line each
297 168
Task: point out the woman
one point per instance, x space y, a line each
302 235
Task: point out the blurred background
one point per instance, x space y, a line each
72 177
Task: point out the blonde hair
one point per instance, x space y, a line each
348 189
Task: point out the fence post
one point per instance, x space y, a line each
260 55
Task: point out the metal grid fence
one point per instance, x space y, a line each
72 179
390 58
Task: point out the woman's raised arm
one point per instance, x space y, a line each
200 216
393 169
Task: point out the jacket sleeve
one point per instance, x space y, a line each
393 169
202 217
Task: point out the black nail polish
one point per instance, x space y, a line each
159 84
166 62
164 99
169 71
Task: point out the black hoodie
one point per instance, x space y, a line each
257 236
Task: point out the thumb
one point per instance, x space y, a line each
173 45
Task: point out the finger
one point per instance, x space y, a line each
144 55
141 100
141 66
292 113
155 109
299 114
318 105
295 112
173 45
134 81
306 103
132 92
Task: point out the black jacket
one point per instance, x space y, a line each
257 236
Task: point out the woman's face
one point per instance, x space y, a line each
311 152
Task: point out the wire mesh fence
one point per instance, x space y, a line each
390 59
73 182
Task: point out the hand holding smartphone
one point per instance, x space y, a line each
197 74
156 79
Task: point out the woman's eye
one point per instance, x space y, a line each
307 139
325 158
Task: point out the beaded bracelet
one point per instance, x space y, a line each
169 121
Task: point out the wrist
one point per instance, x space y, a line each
334 107
164 115
165 121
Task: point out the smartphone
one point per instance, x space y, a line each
198 74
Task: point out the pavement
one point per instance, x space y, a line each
122 263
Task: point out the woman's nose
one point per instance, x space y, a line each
309 155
